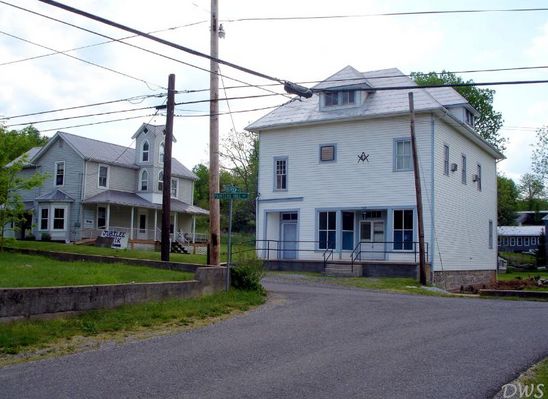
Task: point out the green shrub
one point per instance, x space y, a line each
46 237
247 273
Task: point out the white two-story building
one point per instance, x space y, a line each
336 180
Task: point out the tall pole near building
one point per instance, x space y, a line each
214 209
166 193
418 192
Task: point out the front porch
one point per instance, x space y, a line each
139 220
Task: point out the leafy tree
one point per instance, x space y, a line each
11 184
201 186
489 121
541 253
540 154
15 143
532 190
507 195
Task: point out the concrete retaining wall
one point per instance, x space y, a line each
45 300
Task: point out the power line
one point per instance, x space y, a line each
158 107
85 61
130 45
97 44
160 40
387 14
99 123
128 99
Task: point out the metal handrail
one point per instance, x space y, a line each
329 253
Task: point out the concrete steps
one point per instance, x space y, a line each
343 270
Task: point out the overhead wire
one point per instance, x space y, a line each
97 44
385 14
85 61
130 44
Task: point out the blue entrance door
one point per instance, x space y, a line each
289 240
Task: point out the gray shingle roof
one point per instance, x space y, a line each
520 230
114 154
30 154
132 199
55 196
378 103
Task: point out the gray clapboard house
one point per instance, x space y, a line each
94 186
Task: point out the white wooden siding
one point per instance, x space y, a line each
462 213
344 183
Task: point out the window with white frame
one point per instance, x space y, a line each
174 188
403 229
327 152
327 230
280 165
161 152
103 176
161 181
145 151
526 241
58 218
101 217
340 97
512 241
44 218
505 241
469 118
402 155
60 173
143 183
446 160
463 169
534 240
519 241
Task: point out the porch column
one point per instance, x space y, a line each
155 222
193 229
131 223
175 226
107 227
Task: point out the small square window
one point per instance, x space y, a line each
327 153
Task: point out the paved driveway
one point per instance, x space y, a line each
312 341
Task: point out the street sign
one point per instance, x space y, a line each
230 193
228 196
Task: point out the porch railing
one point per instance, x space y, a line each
388 247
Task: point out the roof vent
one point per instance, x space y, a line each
145 130
454 167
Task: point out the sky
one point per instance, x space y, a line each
295 50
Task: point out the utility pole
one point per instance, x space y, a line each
214 208
166 193
418 192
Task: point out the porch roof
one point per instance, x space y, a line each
55 196
131 199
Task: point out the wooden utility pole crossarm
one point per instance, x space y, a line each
418 192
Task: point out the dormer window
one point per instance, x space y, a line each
339 98
469 118
145 151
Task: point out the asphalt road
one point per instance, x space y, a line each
312 341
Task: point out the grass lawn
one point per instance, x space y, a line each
19 270
58 335
92 250
516 258
513 275
391 284
538 374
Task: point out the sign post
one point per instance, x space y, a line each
230 193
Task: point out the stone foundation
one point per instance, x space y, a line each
457 280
